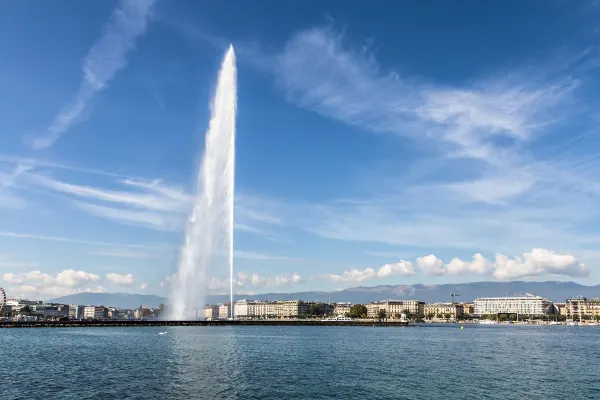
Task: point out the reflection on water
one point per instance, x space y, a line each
492 362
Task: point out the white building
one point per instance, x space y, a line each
224 310
527 305
253 309
341 309
17 304
93 312
211 312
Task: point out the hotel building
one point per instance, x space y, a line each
527 305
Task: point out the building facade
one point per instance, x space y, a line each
441 310
581 308
395 308
211 312
341 309
76 311
468 308
291 308
17 304
224 310
253 309
95 312
527 305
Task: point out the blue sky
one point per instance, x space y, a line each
386 143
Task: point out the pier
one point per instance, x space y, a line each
138 323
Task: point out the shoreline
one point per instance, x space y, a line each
117 323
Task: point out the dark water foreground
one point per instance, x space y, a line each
301 362
113 323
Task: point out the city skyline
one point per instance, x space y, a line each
370 150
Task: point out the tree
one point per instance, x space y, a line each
358 311
430 315
26 310
381 314
439 316
314 309
447 315
513 317
502 317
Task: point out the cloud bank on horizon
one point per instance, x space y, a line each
349 154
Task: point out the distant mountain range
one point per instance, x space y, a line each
555 291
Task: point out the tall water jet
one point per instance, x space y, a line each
209 233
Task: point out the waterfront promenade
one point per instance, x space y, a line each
138 323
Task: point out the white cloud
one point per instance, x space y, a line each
143 286
120 279
479 265
539 262
320 73
255 279
12 278
104 60
72 278
431 265
41 284
151 197
403 268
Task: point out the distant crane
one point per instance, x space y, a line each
453 295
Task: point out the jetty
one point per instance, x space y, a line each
142 323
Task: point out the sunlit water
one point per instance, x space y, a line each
251 362
209 235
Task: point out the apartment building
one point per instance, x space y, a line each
395 308
224 309
211 312
581 307
440 310
253 309
341 308
468 308
291 308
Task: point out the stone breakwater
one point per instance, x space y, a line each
116 323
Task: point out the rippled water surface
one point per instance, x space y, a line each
251 362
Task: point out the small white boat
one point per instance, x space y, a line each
572 323
488 322
162 333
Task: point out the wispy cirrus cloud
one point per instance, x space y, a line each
262 256
318 72
106 57
60 239
123 253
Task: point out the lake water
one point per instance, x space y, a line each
253 362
